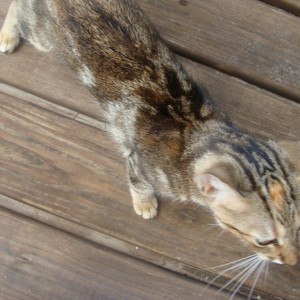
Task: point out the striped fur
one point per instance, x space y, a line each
177 143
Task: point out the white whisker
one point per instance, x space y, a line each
241 264
211 227
218 236
237 276
235 261
267 264
244 278
257 275
246 270
245 275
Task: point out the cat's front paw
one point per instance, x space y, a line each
147 209
8 42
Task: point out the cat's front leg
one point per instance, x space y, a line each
143 199
9 34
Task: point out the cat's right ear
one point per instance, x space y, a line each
218 193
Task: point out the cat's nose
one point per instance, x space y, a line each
291 260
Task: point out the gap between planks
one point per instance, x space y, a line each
78 269
233 72
105 239
181 46
153 257
45 104
120 246
252 68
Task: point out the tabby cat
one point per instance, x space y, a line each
176 141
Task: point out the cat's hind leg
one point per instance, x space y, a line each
9 34
143 199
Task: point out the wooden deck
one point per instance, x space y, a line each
68 230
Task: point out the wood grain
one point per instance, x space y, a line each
254 109
46 104
58 165
39 262
73 171
248 39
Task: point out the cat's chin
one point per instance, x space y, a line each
277 261
264 258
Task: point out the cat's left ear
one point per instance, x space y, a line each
219 189
292 150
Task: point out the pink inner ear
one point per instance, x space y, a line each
222 193
206 184
208 189
209 184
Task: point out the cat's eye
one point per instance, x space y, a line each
268 242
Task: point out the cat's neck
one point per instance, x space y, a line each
173 149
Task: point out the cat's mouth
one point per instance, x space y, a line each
277 261
290 259
269 259
275 253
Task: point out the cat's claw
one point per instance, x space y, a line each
8 42
146 209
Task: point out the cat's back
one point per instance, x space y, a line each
105 41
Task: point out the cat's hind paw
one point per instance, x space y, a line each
8 42
146 209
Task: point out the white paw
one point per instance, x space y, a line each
8 42
146 209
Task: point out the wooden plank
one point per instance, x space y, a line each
42 75
127 248
34 71
46 104
65 168
254 109
31 70
38 101
248 39
292 6
39 262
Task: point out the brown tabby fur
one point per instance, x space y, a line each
177 143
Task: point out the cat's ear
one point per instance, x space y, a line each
218 186
292 150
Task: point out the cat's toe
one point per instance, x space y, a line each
8 42
146 209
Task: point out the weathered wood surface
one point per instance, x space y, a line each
57 164
252 108
249 39
73 171
52 264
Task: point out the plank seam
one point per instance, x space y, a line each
52 107
136 251
117 244
226 69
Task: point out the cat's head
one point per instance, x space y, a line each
256 196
